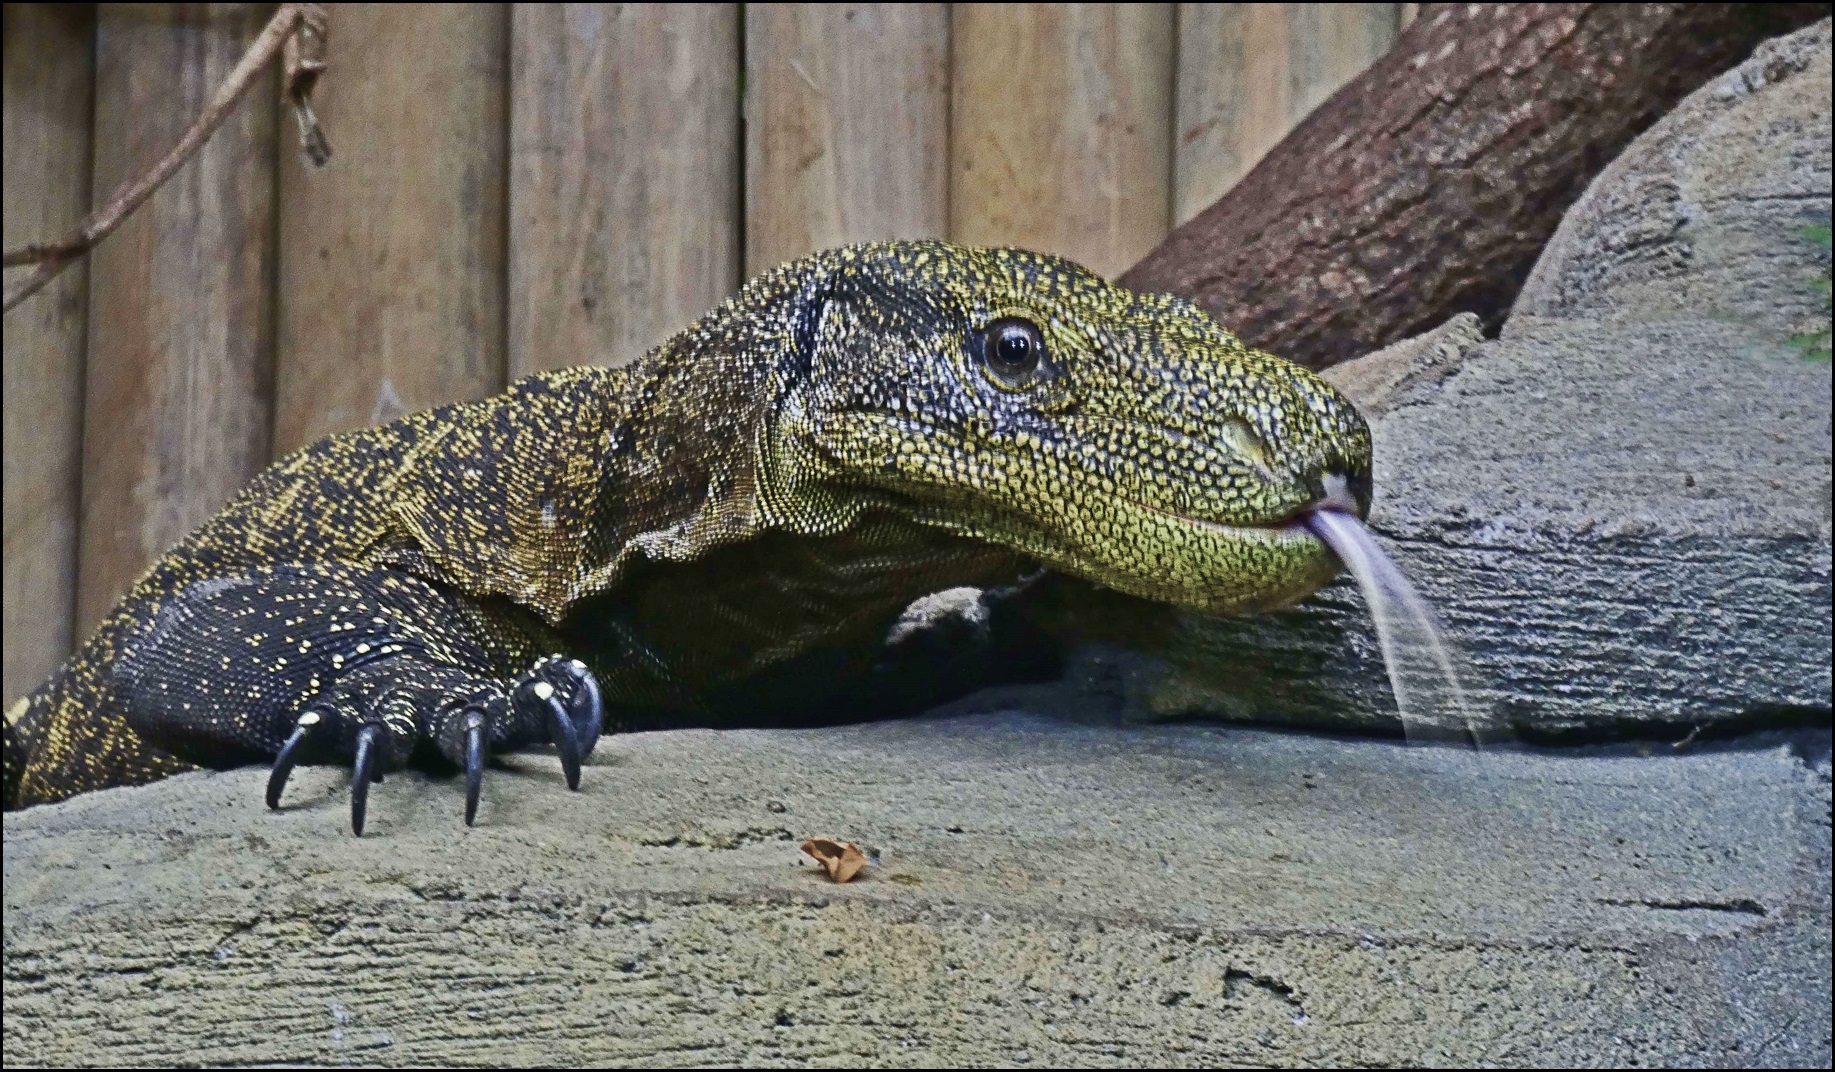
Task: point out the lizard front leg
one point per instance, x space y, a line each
367 665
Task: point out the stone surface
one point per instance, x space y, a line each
1621 508
1397 374
1702 217
1047 891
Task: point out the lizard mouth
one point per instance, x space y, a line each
1289 562
1295 547
1294 524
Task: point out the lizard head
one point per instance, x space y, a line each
1022 400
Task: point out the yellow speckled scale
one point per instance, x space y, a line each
849 432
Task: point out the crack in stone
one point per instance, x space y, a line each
1234 980
1744 906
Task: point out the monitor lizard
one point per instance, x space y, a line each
851 431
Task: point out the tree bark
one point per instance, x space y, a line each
1427 186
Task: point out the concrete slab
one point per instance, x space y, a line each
1047 891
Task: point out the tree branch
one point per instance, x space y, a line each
299 27
1428 185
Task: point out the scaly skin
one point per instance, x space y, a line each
851 431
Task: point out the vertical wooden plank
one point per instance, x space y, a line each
392 266
847 126
624 176
1332 44
49 74
1234 97
1249 72
180 307
1060 128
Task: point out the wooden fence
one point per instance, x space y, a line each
520 187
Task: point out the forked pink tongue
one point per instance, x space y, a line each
1420 661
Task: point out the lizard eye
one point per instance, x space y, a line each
1011 349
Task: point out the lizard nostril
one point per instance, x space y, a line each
1243 441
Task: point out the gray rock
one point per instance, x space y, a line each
1621 508
1046 891
1702 217
1407 370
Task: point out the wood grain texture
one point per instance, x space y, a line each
847 126
1060 128
624 177
1249 72
392 266
180 310
49 72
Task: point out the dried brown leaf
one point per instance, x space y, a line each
842 860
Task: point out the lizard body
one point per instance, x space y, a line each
848 433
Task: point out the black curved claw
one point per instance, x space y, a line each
362 772
283 767
474 763
289 755
560 730
588 711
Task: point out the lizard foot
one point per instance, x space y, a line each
369 716
557 700
368 667
378 725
